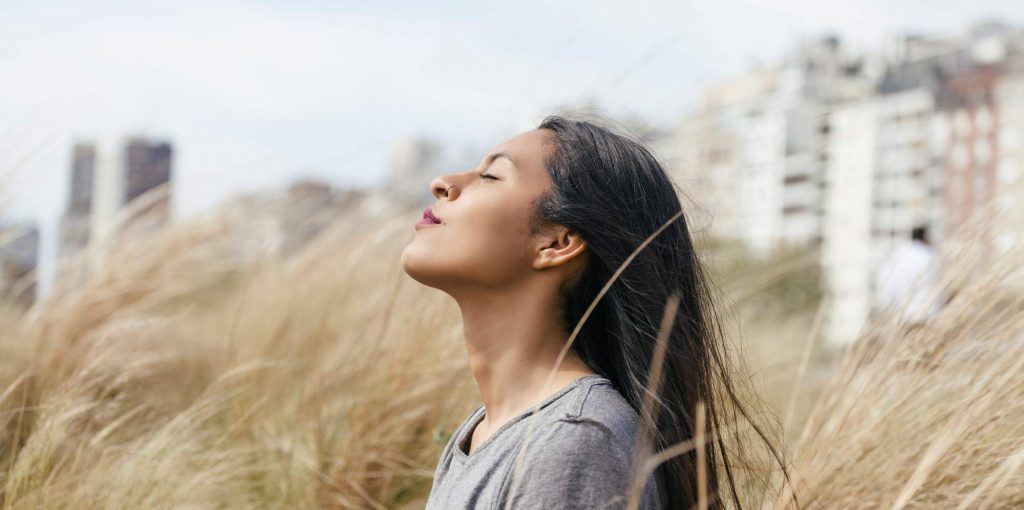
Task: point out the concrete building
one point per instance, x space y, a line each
73 233
709 162
1009 181
131 186
147 184
19 260
883 180
281 223
107 191
116 188
884 172
924 150
847 223
755 149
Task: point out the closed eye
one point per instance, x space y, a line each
489 176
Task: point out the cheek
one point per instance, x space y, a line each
499 246
491 247
486 246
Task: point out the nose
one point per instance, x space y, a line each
440 184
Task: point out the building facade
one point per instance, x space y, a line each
19 260
115 188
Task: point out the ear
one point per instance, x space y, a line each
558 246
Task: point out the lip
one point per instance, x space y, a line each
429 218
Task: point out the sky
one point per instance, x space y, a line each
255 94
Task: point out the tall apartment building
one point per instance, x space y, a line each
19 259
847 222
1009 182
851 153
884 171
147 182
922 150
105 177
147 165
709 152
882 182
755 150
74 223
980 111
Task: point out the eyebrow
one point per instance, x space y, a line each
491 157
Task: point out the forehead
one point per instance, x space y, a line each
528 150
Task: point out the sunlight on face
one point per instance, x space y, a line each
483 238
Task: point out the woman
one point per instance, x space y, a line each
524 243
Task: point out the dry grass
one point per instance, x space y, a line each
929 415
179 377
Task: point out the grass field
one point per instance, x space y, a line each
180 376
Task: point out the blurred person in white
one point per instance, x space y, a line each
907 278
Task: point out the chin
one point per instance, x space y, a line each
417 266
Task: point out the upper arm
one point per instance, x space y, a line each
570 465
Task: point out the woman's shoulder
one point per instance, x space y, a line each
597 403
583 452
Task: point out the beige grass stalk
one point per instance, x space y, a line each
176 376
929 415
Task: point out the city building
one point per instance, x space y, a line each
849 153
755 153
19 259
884 172
847 222
280 224
73 233
923 150
115 188
1009 101
146 184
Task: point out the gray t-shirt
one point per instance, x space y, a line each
579 455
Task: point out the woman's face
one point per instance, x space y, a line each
483 240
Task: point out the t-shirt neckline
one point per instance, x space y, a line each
478 416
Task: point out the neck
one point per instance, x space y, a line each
513 339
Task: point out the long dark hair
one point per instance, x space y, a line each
611 191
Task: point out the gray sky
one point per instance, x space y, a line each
257 93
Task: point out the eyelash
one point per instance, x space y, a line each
488 176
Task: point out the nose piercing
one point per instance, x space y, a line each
448 188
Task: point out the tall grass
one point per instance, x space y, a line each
177 377
930 415
180 375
